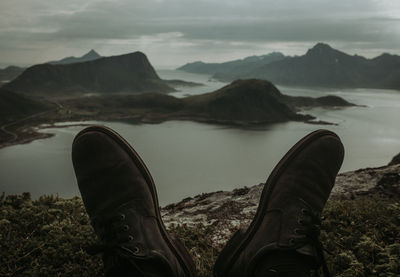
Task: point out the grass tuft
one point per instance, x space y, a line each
46 237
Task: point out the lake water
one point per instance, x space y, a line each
188 158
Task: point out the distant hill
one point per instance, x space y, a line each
131 73
249 101
15 106
243 103
232 67
255 101
89 56
324 66
9 73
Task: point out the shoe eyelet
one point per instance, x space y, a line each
136 250
121 216
291 241
297 231
125 228
304 211
130 238
300 221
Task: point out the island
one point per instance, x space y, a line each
249 103
243 103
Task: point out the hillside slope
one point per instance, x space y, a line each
10 73
130 73
15 106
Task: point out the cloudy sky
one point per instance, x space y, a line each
173 32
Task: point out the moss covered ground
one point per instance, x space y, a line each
47 237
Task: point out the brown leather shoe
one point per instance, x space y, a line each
287 218
120 197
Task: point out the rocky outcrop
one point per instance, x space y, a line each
231 210
395 160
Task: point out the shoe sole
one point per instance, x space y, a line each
185 263
240 240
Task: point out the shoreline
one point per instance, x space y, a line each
27 133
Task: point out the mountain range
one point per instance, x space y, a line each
89 56
130 73
321 66
232 67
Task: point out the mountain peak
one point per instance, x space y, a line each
320 48
322 51
321 45
92 54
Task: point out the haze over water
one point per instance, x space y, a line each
188 158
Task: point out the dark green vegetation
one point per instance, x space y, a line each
131 73
243 103
89 56
47 237
321 66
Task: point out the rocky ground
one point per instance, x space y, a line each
228 211
360 229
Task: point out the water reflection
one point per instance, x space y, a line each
188 158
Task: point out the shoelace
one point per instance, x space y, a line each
113 228
114 235
312 232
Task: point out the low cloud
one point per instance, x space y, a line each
177 31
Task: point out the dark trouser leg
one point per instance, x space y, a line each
284 264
